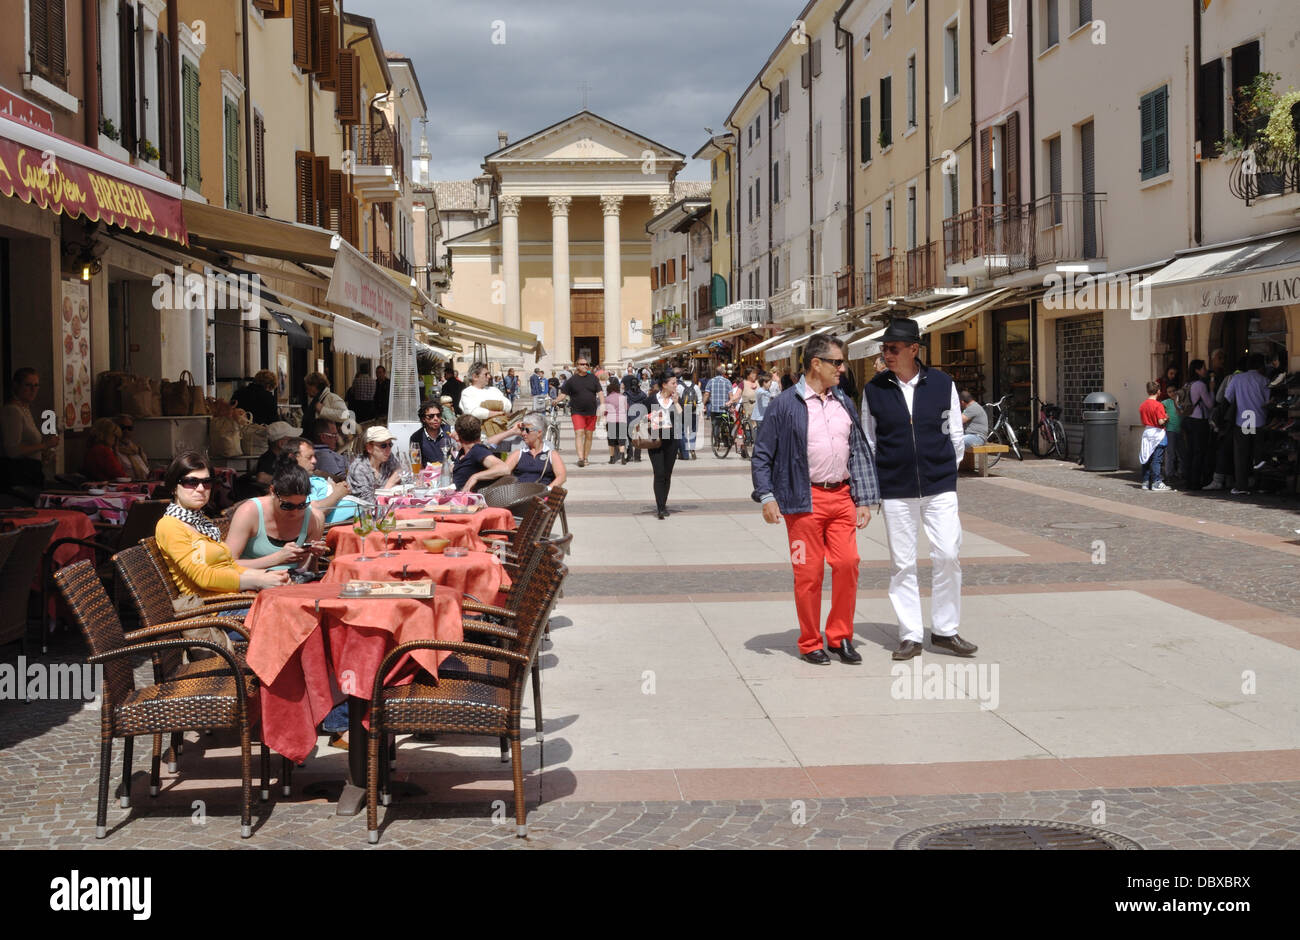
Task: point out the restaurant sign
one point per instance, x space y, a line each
54 182
20 109
359 285
1275 288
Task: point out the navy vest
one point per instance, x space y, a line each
914 454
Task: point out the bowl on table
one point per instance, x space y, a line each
437 546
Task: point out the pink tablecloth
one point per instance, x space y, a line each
111 507
343 541
485 518
304 635
72 524
478 573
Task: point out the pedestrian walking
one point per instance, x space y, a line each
762 399
717 395
665 422
585 392
1248 393
615 408
912 417
1197 426
689 392
638 406
1151 454
813 467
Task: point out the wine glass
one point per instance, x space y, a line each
363 525
386 524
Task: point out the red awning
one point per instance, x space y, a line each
61 175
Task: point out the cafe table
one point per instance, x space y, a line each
478 573
72 524
486 518
110 507
305 641
342 540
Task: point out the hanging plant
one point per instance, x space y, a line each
1279 132
148 150
1252 105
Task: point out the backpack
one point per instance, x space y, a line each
691 396
1182 401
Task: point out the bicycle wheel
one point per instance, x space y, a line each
1063 442
747 441
721 440
995 437
1013 443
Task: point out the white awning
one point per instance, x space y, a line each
862 347
785 349
768 343
1243 275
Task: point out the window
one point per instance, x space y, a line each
129 98
1209 110
758 127
776 273
776 181
749 136
728 216
49 51
758 197
259 160
999 19
866 244
654 277
864 127
190 120
951 62
230 113
950 191
1085 12
1245 66
749 193
1154 119
888 247
911 217
726 162
1051 23
817 148
714 164
866 44
1054 177
672 270
911 90
715 225
886 115
889 22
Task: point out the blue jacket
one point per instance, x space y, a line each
780 465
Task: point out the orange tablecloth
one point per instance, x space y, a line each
478 573
476 522
302 635
72 525
343 541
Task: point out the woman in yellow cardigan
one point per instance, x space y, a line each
197 559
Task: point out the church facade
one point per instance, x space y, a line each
567 257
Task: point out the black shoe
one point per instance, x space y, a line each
817 658
907 649
626 458
662 514
612 460
847 653
953 644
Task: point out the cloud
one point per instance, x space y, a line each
666 69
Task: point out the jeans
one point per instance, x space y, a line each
336 722
1196 431
1175 454
662 459
1245 447
972 440
1151 469
687 440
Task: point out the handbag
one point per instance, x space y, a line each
641 439
182 397
140 397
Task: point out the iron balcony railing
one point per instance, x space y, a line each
1264 171
923 271
810 292
377 145
889 280
1008 238
394 262
853 289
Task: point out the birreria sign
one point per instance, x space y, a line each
1103 292
211 290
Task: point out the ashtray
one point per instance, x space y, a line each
455 551
355 589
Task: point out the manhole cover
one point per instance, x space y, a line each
1014 834
1085 525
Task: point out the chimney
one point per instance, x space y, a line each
502 139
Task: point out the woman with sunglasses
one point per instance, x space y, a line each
129 452
278 531
533 462
197 560
377 468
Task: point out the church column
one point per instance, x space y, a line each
563 351
509 209
612 349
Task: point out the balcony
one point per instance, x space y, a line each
889 276
807 300
741 313
705 320
377 173
997 240
1267 180
923 271
431 278
394 262
853 289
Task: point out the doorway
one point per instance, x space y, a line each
587 347
586 324
1011 355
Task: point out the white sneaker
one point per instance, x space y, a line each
1213 485
1237 492
1161 488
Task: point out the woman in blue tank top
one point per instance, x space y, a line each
534 462
278 531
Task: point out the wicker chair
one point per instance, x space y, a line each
7 542
538 520
174 705
514 496
16 580
173 593
483 699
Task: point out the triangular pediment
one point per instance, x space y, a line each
585 137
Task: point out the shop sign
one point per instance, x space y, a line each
357 285
20 109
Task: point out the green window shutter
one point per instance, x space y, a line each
232 154
886 110
864 120
1154 121
190 121
1161 135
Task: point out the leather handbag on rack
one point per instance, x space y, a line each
182 397
140 397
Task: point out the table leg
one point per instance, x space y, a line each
353 797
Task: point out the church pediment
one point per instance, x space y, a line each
585 137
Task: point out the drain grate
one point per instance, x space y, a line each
1013 835
1084 526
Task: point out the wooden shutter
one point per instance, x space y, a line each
347 95
654 278
348 219
986 166
163 54
271 9
128 72
337 191
1146 128
1209 110
1011 161
304 186
40 29
49 43
1160 135
1245 66
327 42
672 270
785 95
683 267
230 111
886 110
259 161
805 69
816 53
190 122
999 18
320 186
302 34
864 120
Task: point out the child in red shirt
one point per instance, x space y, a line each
1154 441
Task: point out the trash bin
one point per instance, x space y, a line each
1100 432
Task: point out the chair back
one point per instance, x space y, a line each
510 495
7 542
555 501
98 620
17 575
141 520
159 560
538 519
537 599
147 587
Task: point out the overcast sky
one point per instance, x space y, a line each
664 68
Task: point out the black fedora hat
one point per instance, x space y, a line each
902 330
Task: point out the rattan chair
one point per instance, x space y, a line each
537 522
173 592
483 698
16 579
7 542
192 704
513 496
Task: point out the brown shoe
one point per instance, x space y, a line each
953 644
907 649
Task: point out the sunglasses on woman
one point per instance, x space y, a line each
293 507
387 446
193 483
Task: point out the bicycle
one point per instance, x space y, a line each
550 433
1048 436
724 433
745 433
1002 432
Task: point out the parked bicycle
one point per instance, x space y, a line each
1048 437
550 433
730 430
1002 432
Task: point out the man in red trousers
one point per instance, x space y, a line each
813 467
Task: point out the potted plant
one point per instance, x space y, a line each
148 150
109 129
882 139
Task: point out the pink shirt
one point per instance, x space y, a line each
828 438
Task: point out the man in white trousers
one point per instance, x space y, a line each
912 418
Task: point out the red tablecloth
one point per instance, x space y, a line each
303 635
343 541
72 525
485 518
478 573
111 507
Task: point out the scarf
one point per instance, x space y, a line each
195 520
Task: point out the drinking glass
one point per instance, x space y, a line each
386 524
363 525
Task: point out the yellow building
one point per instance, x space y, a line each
719 151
